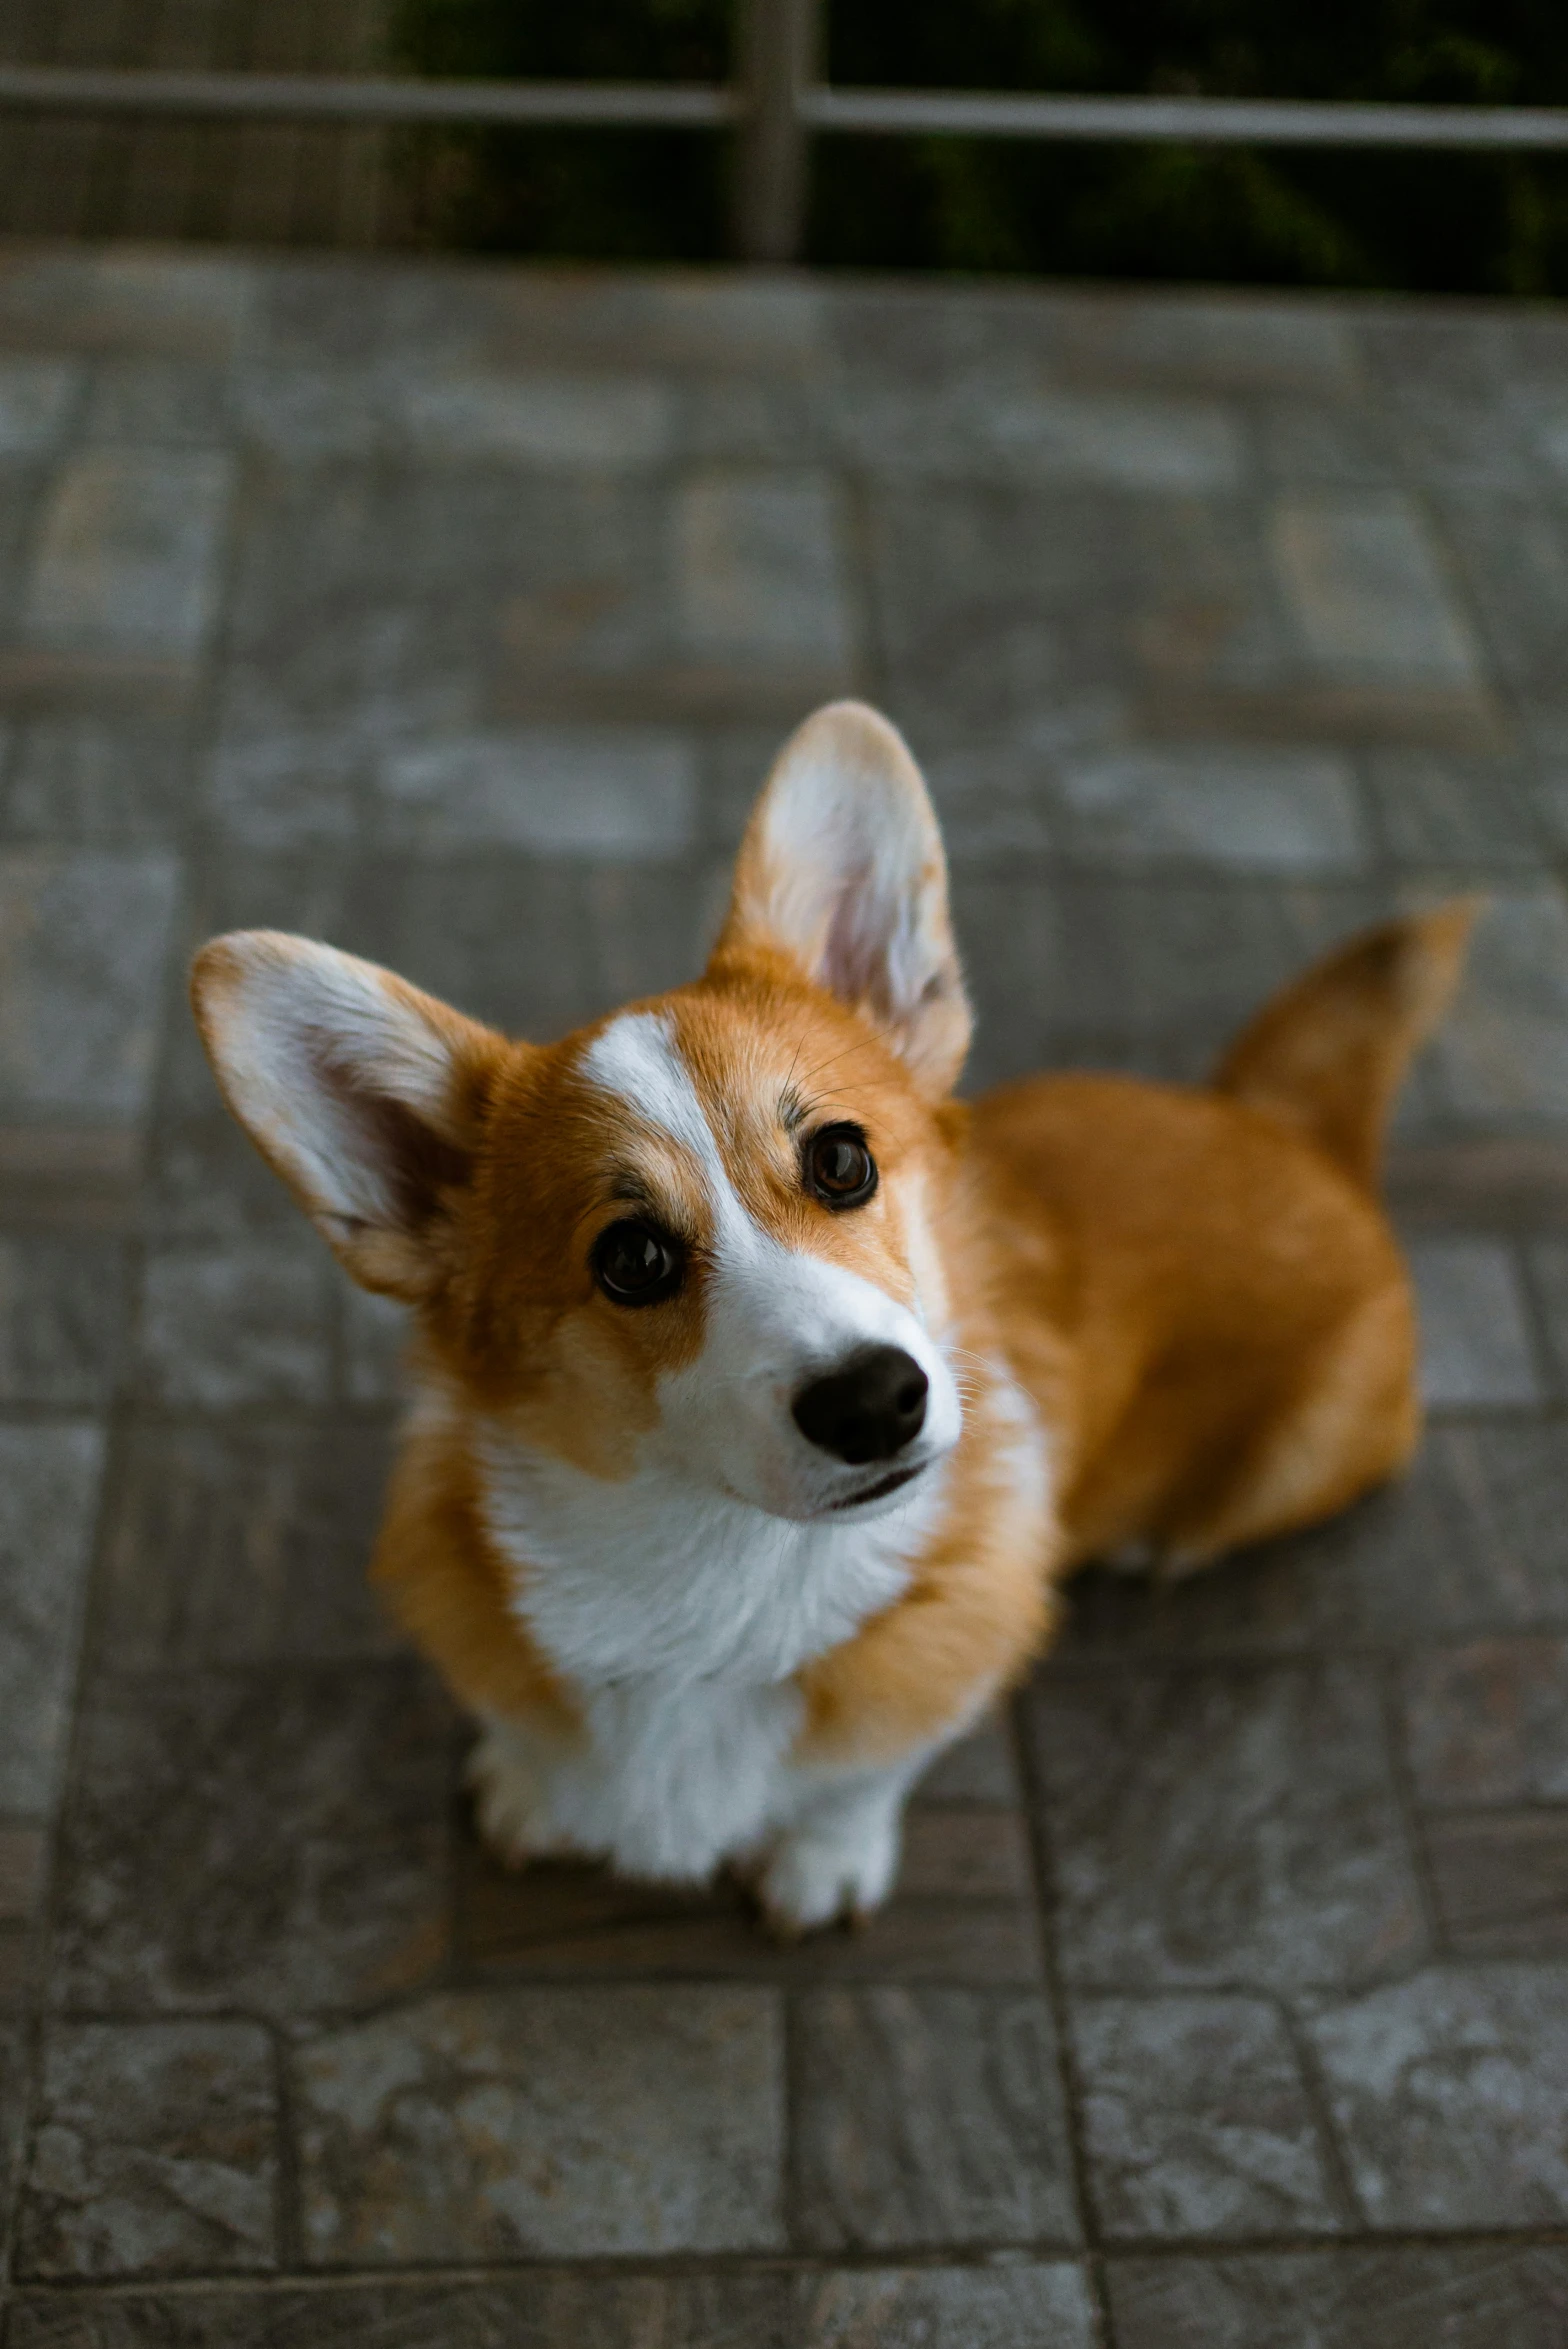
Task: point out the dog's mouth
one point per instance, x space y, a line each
880 1490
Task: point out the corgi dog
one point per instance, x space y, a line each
763 1393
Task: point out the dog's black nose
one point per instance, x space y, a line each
867 1411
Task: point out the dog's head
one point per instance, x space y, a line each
701 1232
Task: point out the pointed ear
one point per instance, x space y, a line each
365 1096
842 870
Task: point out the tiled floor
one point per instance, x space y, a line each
450 614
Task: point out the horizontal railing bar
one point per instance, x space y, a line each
688 106
1276 122
366 98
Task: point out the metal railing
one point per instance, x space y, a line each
776 105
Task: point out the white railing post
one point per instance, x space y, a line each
777 66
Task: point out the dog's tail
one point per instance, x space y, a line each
1327 1055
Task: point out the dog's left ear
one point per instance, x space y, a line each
842 870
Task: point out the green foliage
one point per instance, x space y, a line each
1432 222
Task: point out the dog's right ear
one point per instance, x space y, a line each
364 1095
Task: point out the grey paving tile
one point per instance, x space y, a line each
153 2148
129 556
1196 2120
1112 439
160 403
485 2124
1218 1827
242 1543
37 397
1465 2298
91 779
1511 551
1363 582
13 2115
23 1856
576 421
1307 443
1502 1054
1448 2093
234 1322
978 1769
48 1507
994 798
532 2310
506 939
929 2116
62 1320
1291 812
1475 1334
1501 1881
268 1839
1547 1262
597 791
1035 2307
761 575
87 936
375 1333
1456 816
123 298
651 926
1251 343
1488 1722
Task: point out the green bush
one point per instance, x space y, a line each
1433 222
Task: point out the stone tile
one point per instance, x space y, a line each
153 2149
1306 443
124 298
1047 2306
1475 1335
1466 2297
1448 2093
375 1334
761 575
1293 812
534 2309
159 403
1473 1541
1110 440
236 1322
979 1768
994 799
13 2114
62 1320
487 2125
267 1839
1195 2119
506 939
1456 816
37 397
929 2116
1223 1826
1501 1880
129 556
1511 549
1488 1722
1502 1054
48 1507
1363 583
1254 342
85 779
962 1914
652 926
1547 1263
87 938
545 420
599 791
243 1544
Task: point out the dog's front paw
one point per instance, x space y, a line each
510 1802
829 1869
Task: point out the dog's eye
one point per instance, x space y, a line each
636 1265
839 1167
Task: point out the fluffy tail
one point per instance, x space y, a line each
1328 1054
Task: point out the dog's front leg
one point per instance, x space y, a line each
508 1776
839 1855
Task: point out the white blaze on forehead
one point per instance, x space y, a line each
637 1059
